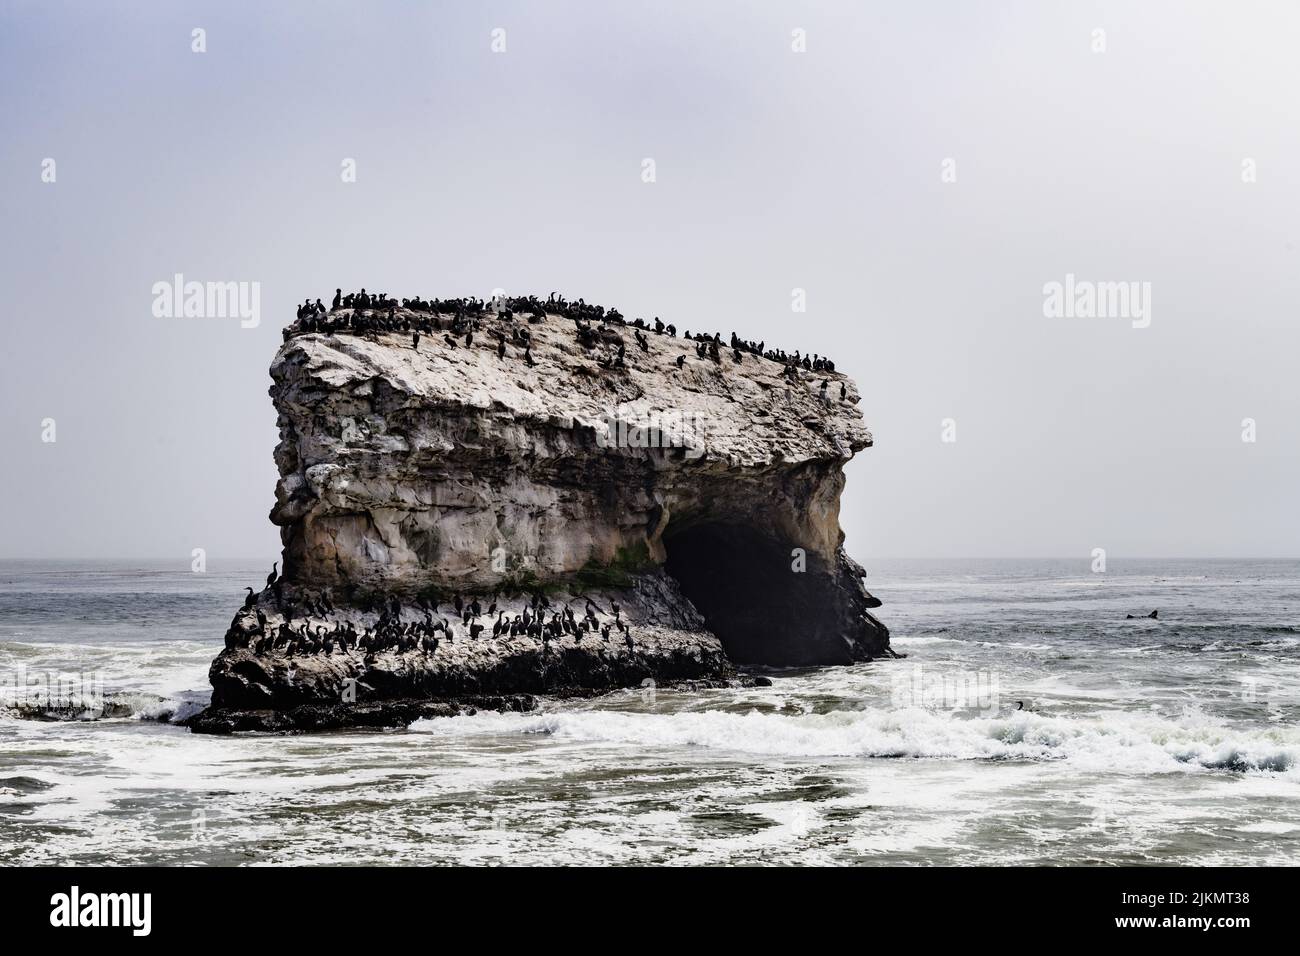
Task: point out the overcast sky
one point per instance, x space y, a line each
775 170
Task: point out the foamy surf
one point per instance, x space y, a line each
116 706
1173 742
1113 742
160 680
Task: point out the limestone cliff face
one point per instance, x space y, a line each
438 470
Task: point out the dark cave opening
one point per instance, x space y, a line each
744 583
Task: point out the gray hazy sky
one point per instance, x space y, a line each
775 170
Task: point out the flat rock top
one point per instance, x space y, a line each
749 413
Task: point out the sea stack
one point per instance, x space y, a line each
701 498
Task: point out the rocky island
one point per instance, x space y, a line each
484 502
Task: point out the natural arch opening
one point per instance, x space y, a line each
744 583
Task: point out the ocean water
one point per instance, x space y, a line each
1171 741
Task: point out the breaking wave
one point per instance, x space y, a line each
1112 742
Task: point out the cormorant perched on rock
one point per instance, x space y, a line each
844 391
528 356
415 339
449 340
338 297
271 578
501 348
458 604
250 600
681 361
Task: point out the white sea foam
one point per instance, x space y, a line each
143 680
1113 741
1172 741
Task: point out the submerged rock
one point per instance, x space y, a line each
703 500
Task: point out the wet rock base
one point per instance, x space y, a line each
306 718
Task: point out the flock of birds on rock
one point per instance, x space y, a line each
538 620
457 320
